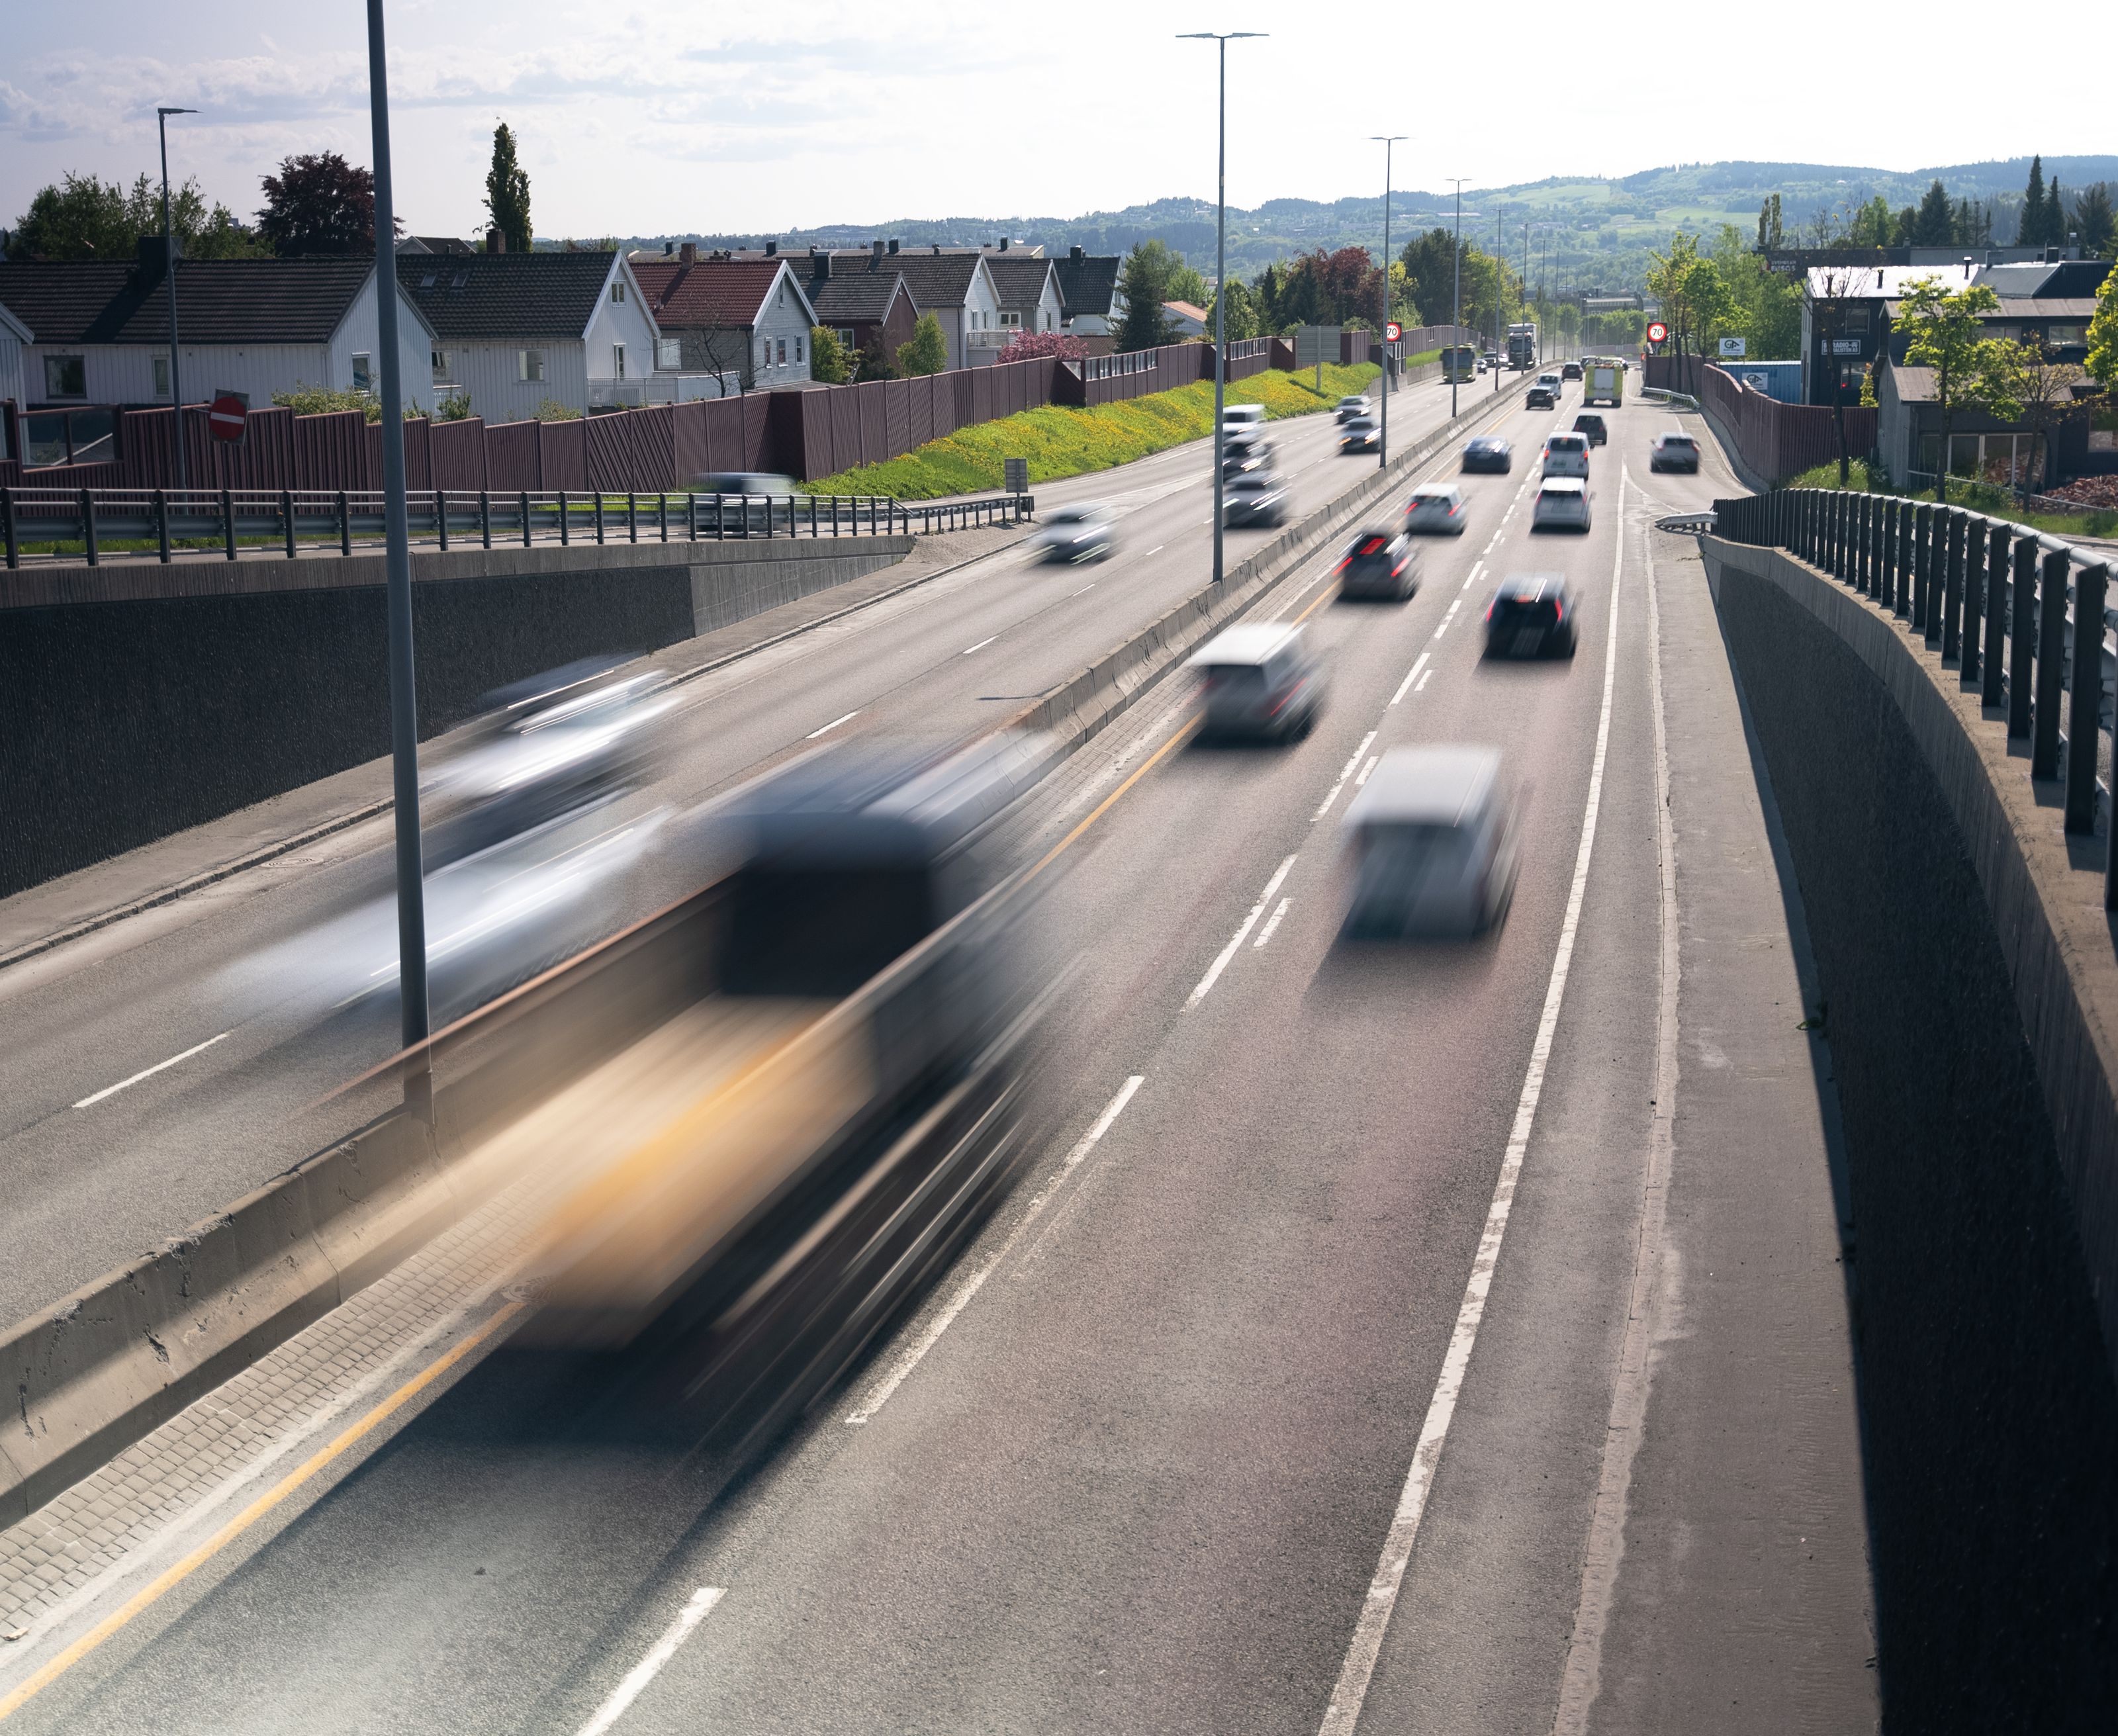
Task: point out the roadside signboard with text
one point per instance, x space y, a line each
1731 346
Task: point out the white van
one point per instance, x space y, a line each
1432 835
1566 453
1242 415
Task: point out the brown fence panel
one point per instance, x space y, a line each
757 454
562 450
693 450
514 458
456 452
917 406
331 452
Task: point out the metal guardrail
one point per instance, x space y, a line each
2002 601
317 521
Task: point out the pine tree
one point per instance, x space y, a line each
2055 216
1934 225
507 192
2030 233
2092 219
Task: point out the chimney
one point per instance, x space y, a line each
937 247
151 260
688 254
1967 268
893 247
667 248
772 250
495 242
1074 253
878 249
820 261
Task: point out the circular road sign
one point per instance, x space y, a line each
225 416
1393 331
1657 333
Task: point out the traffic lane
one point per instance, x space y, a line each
404 1521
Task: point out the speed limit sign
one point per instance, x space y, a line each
1393 331
1657 333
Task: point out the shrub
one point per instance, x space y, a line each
454 407
552 410
828 361
321 400
1027 345
927 352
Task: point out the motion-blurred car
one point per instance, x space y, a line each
764 497
1489 452
1562 504
1376 564
1436 508
1243 415
1432 834
1257 499
1569 370
1360 434
1591 425
1566 454
1259 682
1085 531
1530 615
1542 396
1673 452
1350 406
1242 459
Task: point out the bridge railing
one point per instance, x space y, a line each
96 524
2027 618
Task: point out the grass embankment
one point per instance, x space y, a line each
2001 503
1059 441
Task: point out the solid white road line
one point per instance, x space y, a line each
1070 596
1220 964
879 1394
149 1072
636 1678
1344 1714
1423 680
1373 759
1272 922
1411 675
1648 1302
833 725
1351 766
983 643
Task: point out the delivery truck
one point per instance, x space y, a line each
1602 381
1522 346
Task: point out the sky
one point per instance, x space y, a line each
657 118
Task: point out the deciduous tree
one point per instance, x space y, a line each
828 360
85 217
1944 331
319 204
2043 386
927 350
2103 336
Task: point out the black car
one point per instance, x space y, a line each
1590 423
1243 461
1489 452
1571 371
1531 614
1542 397
1258 498
1376 564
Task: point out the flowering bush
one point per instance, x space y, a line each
1027 346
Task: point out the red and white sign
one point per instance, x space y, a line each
225 417
1393 331
1657 333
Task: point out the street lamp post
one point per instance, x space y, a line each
1499 282
1221 41
1456 311
169 273
1382 441
403 706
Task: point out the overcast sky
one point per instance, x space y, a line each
658 117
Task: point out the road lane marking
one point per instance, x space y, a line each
1265 933
16 1697
1373 760
1344 1714
149 1072
1183 733
989 639
1352 765
833 725
1070 596
1423 680
636 1678
879 1394
1412 676
1220 964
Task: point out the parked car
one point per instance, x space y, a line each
1530 615
1566 454
1360 434
1257 498
1489 452
1350 406
1087 531
1376 564
1569 370
1673 452
1261 682
1588 422
1433 837
1438 509
1562 504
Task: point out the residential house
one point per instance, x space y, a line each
958 289
1186 319
741 324
15 341
512 329
435 244
1028 288
1088 292
862 296
249 326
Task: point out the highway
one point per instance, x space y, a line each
1161 1452
93 1186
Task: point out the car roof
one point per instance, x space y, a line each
1435 490
1674 434
1529 587
1361 539
1243 645
1562 485
1436 786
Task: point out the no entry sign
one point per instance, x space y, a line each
1657 333
225 417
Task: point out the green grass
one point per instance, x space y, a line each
1060 442
1984 498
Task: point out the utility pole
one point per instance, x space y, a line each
1382 444
1456 311
404 696
169 274
1499 282
1220 272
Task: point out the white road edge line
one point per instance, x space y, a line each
1423 680
1373 760
636 1678
989 639
149 1072
879 1394
1352 765
833 725
1344 1714
1272 923
1411 675
1220 964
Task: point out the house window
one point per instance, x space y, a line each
618 292
364 374
618 360
1048 318
161 376
782 352
65 377
846 338
1010 321
528 364
670 353
440 364
765 351
797 349
2056 335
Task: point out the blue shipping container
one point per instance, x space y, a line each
1780 380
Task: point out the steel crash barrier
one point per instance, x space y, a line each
2005 603
164 523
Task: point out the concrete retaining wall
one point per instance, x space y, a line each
1971 997
137 700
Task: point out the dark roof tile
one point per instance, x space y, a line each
219 300
548 296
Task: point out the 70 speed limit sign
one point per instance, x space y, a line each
1657 333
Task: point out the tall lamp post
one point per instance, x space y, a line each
1387 142
1222 39
403 706
1500 283
1456 309
169 274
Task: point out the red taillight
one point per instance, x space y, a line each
1489 611
1344 562
1282 704
1558 611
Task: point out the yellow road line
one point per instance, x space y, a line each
17 1697
1110 801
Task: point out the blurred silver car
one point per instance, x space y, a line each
1436 508
1085 532
1260 681
1432 836
1562 504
